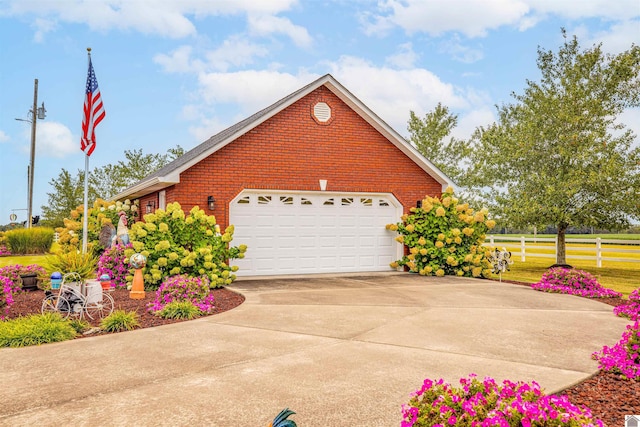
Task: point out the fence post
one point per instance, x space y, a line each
598 252
522 249
556 254
491 240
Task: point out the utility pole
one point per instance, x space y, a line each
32 160
36 113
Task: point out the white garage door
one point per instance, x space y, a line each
317 232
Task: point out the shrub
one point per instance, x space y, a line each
179 310
192 245
631 309
6 296
74 261
444 238
35 240
195 290
101 213
120 320
113 262
573 282
485 403
79 325
4 251
35 330
13 272
624 357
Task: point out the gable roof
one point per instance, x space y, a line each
170 174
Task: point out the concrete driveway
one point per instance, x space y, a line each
339 351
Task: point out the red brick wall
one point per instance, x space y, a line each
292 151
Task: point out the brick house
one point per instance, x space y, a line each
308 182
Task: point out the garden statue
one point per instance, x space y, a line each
122 232
107 233
137 261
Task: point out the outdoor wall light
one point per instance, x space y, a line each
211 202
151 206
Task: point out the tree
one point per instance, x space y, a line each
558 155
104 182
68 193
429 135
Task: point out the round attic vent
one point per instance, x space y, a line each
322 112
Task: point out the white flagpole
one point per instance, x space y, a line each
85 216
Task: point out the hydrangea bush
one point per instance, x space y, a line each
101 213
444 237
624 357
487 404
113 262
630 309
195 290
573 282
179 244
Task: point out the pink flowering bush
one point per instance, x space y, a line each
13 273
573 282
184 288
6 296
112 262
631 309
624 357
486 403
4 251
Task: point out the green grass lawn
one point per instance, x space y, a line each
578 236
22 260
620 276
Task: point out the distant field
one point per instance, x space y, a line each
579 236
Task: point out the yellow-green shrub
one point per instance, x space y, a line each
444 237
192 245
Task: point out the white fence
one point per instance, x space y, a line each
602 251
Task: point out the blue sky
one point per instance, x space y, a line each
176 72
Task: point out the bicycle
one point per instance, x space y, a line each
77 298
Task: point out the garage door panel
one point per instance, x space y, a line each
314 232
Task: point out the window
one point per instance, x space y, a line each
366 202
244 200
305 201
346 201
286 200
382 202
328 202
264 200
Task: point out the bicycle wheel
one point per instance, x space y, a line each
100 309
55 304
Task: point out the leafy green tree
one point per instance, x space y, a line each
431 136
67 194
558 155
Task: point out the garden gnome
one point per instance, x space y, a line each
122 232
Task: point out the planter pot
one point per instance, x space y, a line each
29 281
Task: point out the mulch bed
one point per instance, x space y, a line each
27 303
608 396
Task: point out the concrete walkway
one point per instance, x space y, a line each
339 351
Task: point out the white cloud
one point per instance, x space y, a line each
167 18
617 38
269 24
179 61
53 140
235 51
474 18
461 52
4 137
404 58
392 93
251 90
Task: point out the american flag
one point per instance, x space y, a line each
93 113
